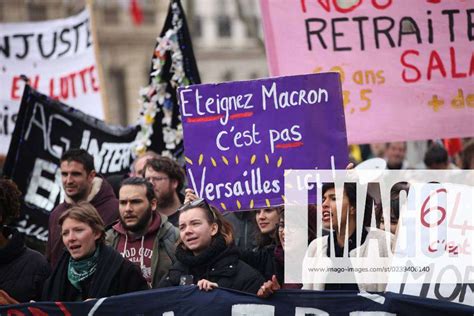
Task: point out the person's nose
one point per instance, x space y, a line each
188 230
325 204
69 178
128 207
70 237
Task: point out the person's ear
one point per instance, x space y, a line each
352 210
91 175
214 229
97 235
153 204
174 184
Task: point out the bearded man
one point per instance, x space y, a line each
167 178
143 235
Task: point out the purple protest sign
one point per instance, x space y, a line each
239 137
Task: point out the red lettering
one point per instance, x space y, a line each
433 244
35 83
95 86
37 312
64 88
82 73
326 5
15 88
471 66
407 65
454 73
51 89
73 84
348 9
381 6
434 63
426 210
63 309
17 85
303 5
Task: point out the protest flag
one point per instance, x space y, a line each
173 65
136 12
45 128
453 146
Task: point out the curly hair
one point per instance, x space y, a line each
9 201
169 167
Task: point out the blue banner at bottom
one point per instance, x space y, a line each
189 300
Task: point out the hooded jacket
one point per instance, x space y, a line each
22 271
164 236
102 197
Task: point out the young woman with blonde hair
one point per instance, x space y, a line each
88 268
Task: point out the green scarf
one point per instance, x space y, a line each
80 270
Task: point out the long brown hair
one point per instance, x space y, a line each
271 237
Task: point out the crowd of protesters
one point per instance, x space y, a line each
145 230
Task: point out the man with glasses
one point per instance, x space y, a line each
167 178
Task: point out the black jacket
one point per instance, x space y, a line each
245 228
114 276
225 269
22 271
263 260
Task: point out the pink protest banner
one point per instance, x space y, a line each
407 67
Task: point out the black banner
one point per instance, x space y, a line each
189 300
45 129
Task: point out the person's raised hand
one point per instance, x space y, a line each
189 195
